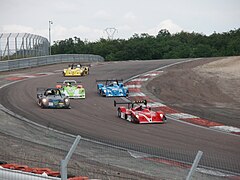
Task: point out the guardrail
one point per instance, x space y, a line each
46 60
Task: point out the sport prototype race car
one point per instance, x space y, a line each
76 70
71 89
141 113
52 98
112 88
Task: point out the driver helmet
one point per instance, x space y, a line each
78 65
114 83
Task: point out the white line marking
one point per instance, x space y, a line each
133 86
226 128
212 172
153 74
136 94
156 104
183 115
139 79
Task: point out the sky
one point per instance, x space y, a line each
91 20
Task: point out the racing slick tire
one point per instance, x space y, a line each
68 107
40 104
128 117
164 119
119 113
134 119
101 93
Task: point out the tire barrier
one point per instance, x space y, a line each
46 172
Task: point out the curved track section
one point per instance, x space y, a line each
96 118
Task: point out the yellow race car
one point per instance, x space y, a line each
76 70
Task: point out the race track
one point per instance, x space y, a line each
96 118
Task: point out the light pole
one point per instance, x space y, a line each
49 25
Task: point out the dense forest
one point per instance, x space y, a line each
162 46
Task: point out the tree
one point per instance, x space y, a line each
164 45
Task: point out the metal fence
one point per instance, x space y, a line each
46 147
100 161
22 45
46 60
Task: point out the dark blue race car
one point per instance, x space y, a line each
52 98
112 88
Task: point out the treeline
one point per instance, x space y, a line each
162 46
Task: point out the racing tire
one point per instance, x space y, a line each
101 93
127 116
119 113
134 120
41 105
127 94
68 107
164 119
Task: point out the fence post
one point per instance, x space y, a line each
64 162
194 165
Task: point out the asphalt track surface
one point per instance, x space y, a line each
96 118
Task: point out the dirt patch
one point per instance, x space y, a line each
207 88
226 73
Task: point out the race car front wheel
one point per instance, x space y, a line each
119 113
134 119
41 104
101 93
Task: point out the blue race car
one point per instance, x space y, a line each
112 88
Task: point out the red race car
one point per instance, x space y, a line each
139 112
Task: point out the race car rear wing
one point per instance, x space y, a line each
131 103
110 80
69 81
81 65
